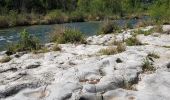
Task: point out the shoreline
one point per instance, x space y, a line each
84 70
84 20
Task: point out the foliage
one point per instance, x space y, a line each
3 21
109 27
56 48
26 42
59 11
145 32
108 51
147 65
154 55
158 28
55 16
121 47
133 41
5 59
64 35
160 11
113 50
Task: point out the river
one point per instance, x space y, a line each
42 31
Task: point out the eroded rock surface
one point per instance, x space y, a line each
79 72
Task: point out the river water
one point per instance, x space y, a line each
42 31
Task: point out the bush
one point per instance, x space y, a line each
108 51
56 48
146 33
56 16
133 41
64 35
158 28
109 27
113 50
25 43
121 47
147 65
3 22
76 16
154 55
5 59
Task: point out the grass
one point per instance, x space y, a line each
109 27
108 51
146 33
113 50
3 22
5 59
56 16
166 46
64 35
158 28
26 42
56 48
147 65
153 55
133 41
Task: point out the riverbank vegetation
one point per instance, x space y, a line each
31 12
26 42
64 35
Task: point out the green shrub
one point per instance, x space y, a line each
147 65
108 51
28 42
25 43
56 16
5 59
56 48
109 27
146 33
158 28
133 41
67 36
120 47
154 55
3 22
76 16
113 50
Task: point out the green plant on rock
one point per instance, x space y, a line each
68 36
26 42
158 28
108 51
109 27
147 65
133 41
5 59
146 33
56 47
121 47
153 55
113 50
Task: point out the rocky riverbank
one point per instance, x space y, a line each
80 72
